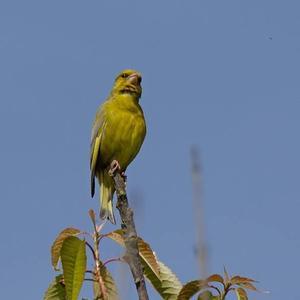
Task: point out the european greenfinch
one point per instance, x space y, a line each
118 132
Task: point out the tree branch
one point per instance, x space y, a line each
97 271
130 236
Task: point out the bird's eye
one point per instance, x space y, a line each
124 75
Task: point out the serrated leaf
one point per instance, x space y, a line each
167 284
145 251
153 278
117 236
191 288
148 257
161 277
239 279
215 278
73 258
207 295
109 283
56 290
241 294
56 246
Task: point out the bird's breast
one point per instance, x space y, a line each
123 136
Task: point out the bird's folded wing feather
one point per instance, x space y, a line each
97 133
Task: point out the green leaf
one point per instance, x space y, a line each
56 246
148 257
161 277
109 284
207 295
167 284
73 258
145 251
191 288
56 290
241 294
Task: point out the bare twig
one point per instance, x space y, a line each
130 236
112 260
95 251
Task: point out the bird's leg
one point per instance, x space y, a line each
114 167
124 176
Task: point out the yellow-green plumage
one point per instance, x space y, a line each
118 132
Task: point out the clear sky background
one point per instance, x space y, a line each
221 75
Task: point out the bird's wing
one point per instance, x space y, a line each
97 133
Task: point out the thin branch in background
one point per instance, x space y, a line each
130 236
201 248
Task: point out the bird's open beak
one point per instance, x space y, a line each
134 78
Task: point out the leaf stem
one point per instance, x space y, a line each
91 248
111 260
226 290
89 279
216 288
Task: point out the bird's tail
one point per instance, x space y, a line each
106 196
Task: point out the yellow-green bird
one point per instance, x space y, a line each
118 132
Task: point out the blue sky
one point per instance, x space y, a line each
221 75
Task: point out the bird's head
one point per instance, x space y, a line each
128 82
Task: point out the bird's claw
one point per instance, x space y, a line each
114 167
